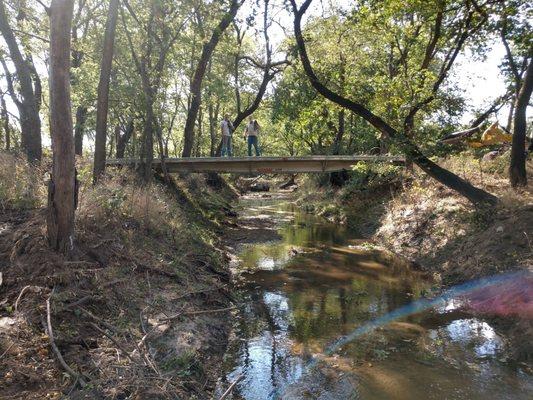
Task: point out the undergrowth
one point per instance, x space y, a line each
144 252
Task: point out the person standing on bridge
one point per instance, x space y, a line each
251 133
226 128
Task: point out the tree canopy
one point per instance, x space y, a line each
178 67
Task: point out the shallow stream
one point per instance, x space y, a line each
317 284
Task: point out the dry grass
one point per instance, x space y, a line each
143 253
21 185
120 198
447 235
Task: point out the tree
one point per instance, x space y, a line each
160 32
29 89
62 185
5 122
517 168
447 178
102 105
123 138
515 34
199 73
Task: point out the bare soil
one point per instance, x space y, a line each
135 313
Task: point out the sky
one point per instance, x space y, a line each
482 80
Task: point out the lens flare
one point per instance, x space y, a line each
508 294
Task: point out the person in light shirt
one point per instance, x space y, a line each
251 133
226 128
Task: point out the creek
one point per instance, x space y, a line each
317 284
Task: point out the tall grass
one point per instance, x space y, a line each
22 186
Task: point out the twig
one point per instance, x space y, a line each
80 301
145 356
101 242
92 324
50 332
100 320
198 292
5 352
230 388
20 296
198 312
114 282
142 267
80 262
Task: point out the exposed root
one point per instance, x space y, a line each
50 332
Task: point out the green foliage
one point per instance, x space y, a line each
373 52
368 177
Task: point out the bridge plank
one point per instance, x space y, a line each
263 164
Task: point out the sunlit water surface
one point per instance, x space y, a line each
317 284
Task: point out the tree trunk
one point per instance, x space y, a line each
62 186
200 132
339 178
213 118
199 73
147 145
517 169
475 195
79 129
511 114
28 106
5 123
102 104
122 140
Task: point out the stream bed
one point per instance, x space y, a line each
318 284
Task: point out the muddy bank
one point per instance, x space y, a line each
140 311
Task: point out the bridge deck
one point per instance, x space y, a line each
270 165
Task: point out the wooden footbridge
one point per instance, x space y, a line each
262 165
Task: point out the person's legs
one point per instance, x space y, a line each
256 145
250 141
224 149
230 146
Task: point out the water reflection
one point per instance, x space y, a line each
314 286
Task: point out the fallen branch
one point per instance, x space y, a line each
230 388
50 332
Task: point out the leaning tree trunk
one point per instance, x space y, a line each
412 152
102 104
517 169
198 77
28 106
62 186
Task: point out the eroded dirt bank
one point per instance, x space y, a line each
141 309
